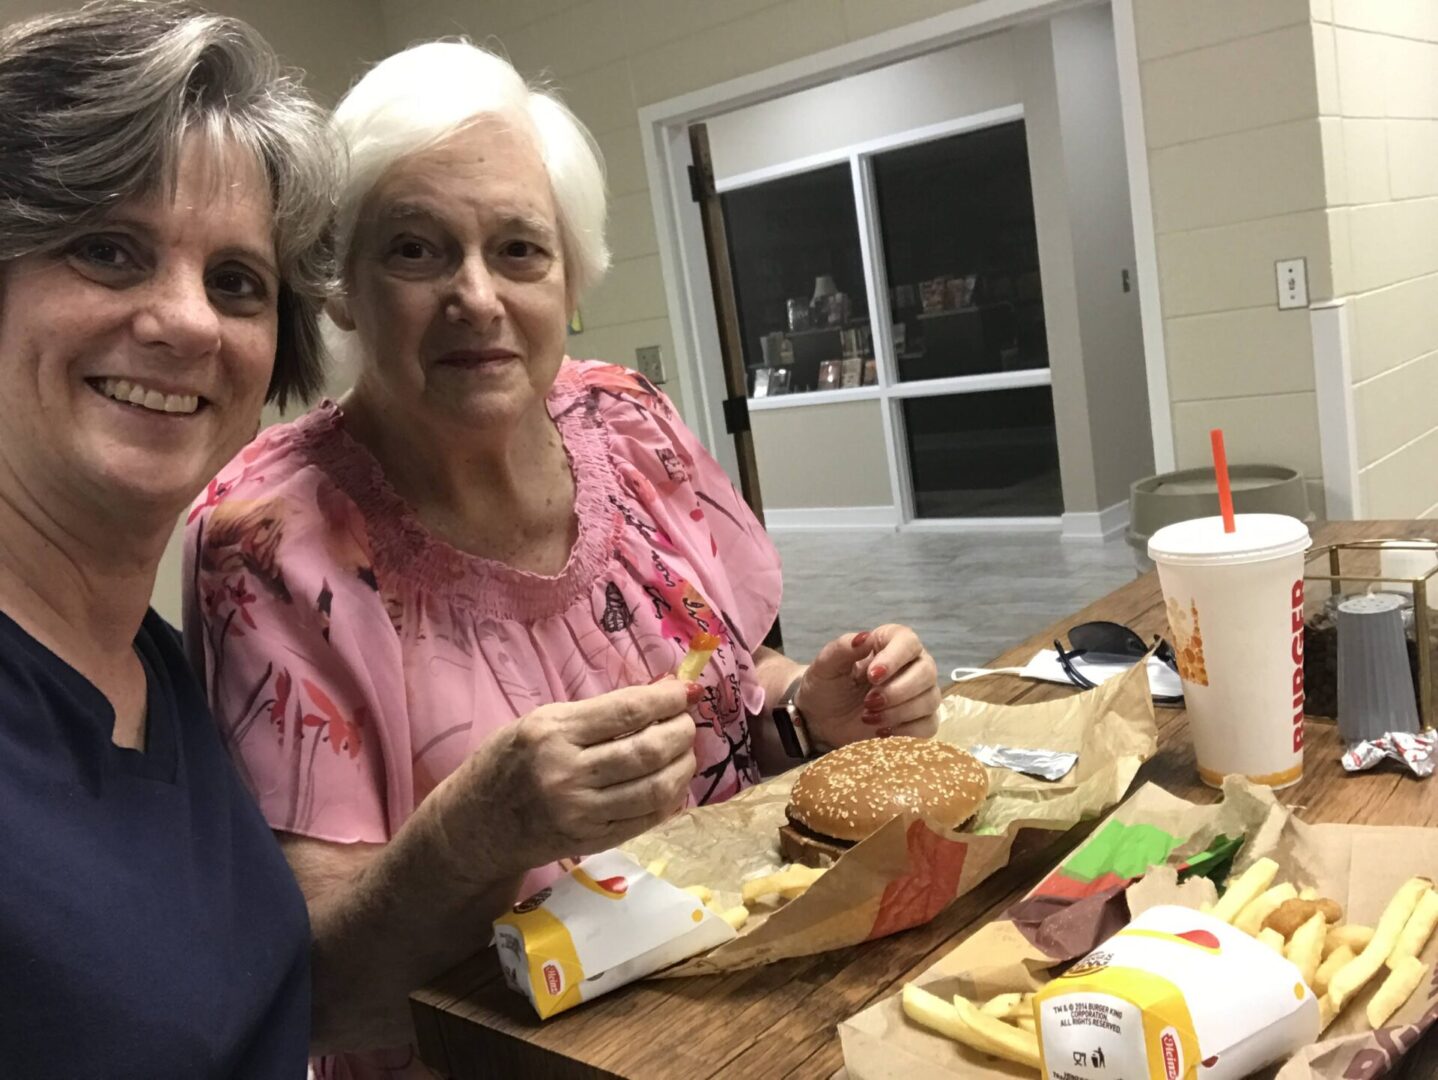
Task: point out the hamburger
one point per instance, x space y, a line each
850 792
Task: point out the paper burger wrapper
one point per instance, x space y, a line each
604 924
1174 994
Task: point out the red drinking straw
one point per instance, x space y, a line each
1220 472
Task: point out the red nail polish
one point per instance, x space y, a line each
693 691
874 700
871 719
877 672
860 640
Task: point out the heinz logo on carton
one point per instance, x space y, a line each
1172 1055
553 978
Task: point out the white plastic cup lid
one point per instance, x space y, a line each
1256 538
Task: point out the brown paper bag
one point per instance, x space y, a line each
1360 866
910 870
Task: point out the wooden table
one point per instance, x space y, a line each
780 1020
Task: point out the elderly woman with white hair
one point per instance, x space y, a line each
164 191
446 606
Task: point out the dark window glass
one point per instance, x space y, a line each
799 283
962 255
992 454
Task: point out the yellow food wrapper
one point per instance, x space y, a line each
1142 1004
604 924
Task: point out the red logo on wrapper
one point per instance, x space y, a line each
1297 657
1172 1055
553 978
935 866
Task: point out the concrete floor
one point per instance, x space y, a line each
970 596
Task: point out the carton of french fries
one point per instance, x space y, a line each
1184 941
606 923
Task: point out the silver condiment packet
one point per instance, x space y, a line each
1415 751
1045 764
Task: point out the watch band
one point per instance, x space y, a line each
789 723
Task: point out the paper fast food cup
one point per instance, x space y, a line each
1235 613
1173 995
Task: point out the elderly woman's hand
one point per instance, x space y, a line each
574 778
882 682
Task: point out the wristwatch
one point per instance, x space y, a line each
789 723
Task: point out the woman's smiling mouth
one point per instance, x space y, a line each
129 392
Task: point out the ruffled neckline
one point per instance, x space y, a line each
405 551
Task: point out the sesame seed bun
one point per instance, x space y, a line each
850 792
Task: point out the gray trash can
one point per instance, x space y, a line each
1156 501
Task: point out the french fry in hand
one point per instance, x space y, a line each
1273 939
1350 936
1305 948
1352 977
790 882
1250 919
1004 1006
1245 889
1331 963
1417 930
1407 973
701 648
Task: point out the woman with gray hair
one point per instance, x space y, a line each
447 605
164 186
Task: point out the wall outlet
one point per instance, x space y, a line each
1292 283
651 363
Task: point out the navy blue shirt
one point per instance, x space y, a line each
149 925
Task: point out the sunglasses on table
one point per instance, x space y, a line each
1113 644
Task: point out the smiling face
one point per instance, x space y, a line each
457 282
135 360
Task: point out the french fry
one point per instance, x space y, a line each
701 647
702 893
1250 919
1326 1012
1305 948
1028 1023
657 868
1004 1006
1417 930
1407 973
1331 963
1010 1042
1350 935
938 1015
1354 975
1308 893
1245 890
790 882
735 916
1273 939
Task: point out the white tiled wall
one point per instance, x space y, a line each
1237 168
1380 136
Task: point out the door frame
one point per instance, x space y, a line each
683 259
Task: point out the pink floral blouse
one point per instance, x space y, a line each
353 660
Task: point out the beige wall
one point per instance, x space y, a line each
1378 92
1231 114
842 446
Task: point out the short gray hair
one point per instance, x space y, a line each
415 98
96 105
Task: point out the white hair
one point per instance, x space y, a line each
418 97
